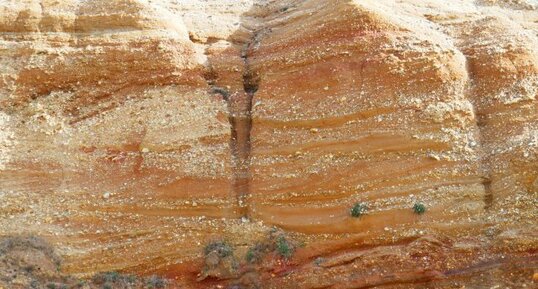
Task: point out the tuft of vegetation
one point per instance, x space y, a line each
222 248
43 273
251 256
111 276
358 210
111 279
277 243
27 244
156 282
220 261
419 208
255 253
283 247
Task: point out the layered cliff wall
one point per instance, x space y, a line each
135 132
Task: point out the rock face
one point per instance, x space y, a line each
134 132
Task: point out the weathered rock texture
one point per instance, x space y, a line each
134 132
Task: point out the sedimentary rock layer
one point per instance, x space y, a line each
134 132
356 107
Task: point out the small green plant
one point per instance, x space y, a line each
51 286
256 252
222 248
358 210
107 286
107 277
250 256
111 277
283 247
419 208
156 282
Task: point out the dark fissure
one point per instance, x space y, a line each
241 126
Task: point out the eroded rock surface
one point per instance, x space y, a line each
135 132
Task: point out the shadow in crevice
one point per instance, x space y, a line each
488 193
238 89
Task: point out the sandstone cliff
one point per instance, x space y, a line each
134 132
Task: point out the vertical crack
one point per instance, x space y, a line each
240 119
241 124
488 194
485 167
479 123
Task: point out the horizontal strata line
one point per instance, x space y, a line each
411 277
345 257
365 145
321 122
338 41
312 216
419 167
89 33
337 220
369 195
199 210
381 202
122 91
522 262
275 60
